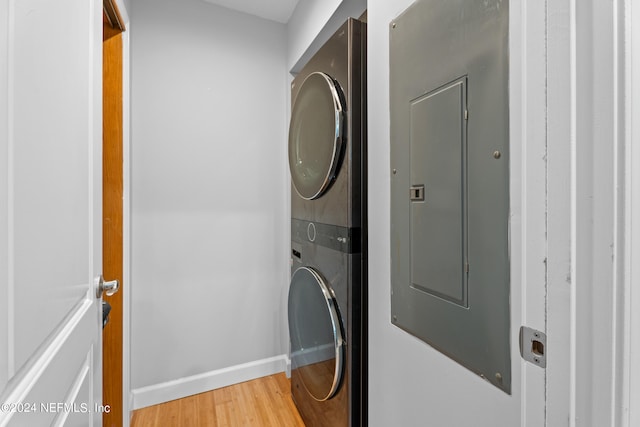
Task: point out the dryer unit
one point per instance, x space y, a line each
327 131
327 295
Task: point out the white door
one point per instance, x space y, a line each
50 212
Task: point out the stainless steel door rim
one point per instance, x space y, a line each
316 333
315 135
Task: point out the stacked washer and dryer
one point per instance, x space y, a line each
327 294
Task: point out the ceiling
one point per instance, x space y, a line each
274 10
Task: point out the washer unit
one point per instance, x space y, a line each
327 295
326 372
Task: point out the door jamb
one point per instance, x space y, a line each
122 23
631 393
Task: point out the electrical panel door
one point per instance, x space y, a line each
437 193
450 181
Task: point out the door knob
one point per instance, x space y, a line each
110 287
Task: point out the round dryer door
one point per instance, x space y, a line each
315 135
316 334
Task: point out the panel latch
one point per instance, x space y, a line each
417 193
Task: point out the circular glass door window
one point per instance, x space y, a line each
316 334
315 135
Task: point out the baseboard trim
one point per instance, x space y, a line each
288 368
188 386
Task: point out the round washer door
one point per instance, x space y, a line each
315 135
316 334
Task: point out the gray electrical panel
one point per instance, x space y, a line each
450 181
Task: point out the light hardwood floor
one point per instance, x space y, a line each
262 402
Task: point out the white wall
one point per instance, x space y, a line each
312 23
209 178
306 22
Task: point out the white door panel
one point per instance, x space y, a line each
42 394
4 231
50 173
50 211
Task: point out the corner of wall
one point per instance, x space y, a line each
188 386
312 24
123 7
127 396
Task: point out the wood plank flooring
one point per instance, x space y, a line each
263 402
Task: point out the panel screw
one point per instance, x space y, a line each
395 318
395 171
497 154
499 377
393 25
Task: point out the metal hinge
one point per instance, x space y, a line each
533 346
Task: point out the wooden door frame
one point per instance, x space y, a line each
115 220
112 259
